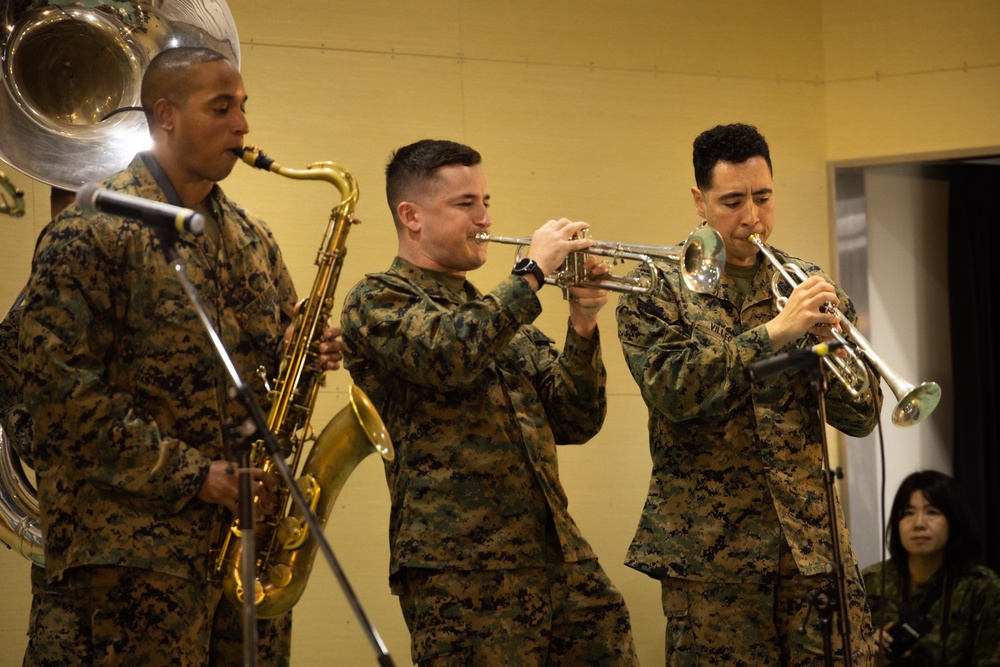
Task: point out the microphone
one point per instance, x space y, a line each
92 198
792 360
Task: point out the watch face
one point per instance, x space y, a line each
526 265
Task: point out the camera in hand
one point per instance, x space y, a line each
905 634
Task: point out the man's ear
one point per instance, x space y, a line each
163 114
409 215
699 202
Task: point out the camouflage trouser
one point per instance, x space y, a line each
566 614
759 624
113 616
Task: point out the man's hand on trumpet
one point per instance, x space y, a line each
550 245
553 241
586 302
805 313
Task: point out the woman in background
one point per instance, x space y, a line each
934 604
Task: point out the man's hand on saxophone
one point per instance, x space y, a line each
221 487
331 350
331 347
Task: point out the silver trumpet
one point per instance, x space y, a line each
913 403
702 258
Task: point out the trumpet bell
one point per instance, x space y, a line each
703 260
915 404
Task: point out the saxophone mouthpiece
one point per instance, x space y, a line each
254 157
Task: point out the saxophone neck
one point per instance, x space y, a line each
330 172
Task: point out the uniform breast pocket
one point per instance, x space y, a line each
260 316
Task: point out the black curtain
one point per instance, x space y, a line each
974 293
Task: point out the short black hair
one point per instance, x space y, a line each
413 165
734 143
166 75
942 492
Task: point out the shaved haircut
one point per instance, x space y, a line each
166 77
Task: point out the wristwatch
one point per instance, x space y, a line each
527 265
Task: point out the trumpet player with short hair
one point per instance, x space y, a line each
736 524
489 567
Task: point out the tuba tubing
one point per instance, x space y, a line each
285 548
19 528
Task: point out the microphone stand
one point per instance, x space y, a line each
826 606
256 426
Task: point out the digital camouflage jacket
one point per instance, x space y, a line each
973 617
127 395
475 400
737 467
10 382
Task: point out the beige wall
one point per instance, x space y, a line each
581 109
911 78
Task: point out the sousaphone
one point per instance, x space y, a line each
71 71
68 66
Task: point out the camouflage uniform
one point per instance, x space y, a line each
10 377
13 418
737 491
974 635
128 402
476 400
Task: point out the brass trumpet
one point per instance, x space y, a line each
702 258
913 403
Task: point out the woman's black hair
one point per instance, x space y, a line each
942 492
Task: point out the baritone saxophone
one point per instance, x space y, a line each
285 547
